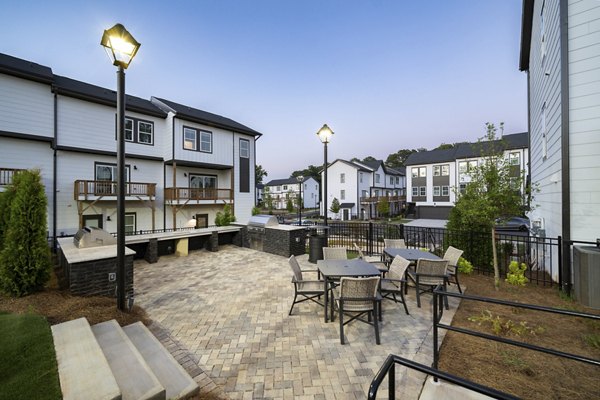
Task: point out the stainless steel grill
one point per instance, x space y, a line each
90 236
256 229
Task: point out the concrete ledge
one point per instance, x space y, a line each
82 367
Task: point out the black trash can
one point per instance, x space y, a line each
316 241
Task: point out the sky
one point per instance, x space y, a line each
384 75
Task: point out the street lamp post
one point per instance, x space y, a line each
121 47
325 135
300 179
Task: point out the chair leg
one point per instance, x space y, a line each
445 288
376 325
418 293
341 310
404 302
457 284
293 302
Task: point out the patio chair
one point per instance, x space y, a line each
334 253
307 289
358 296
452 255
395 281
428 275
392 244
380 265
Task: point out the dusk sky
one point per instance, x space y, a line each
384 75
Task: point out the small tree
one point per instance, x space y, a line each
335 206
255 210
224 218
383 206
25 256
289 204
492 193
268 200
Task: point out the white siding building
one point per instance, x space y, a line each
281 190
560 51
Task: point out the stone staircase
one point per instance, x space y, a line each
106 361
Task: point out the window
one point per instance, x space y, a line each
284 187
342 178
391 180
376 193
514 159
130 223
360 177
342 194
462 187
462 167
397 180
197 140
415 191
244 148
422 172
108 172
145 132
472 165
422 191
189 139
436 190
415 172
377 178
445 170
278 188
129 129
437 170
364 194
445 191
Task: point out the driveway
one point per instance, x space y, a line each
229 310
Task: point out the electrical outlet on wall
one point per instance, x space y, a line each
112 276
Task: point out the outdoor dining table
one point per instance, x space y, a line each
410 254
335 269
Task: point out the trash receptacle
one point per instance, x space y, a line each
316 241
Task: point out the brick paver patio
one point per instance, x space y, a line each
229 311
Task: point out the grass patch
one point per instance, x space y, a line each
28 367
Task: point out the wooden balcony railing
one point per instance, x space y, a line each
109 188
376 199
6 175
177 194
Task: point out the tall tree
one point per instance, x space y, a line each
398 158
259 174
311 171
445 146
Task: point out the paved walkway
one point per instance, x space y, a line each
229 309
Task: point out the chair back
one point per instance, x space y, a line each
295 268
395 243
452 255
361 255
398 268
359 288
334 253
432 269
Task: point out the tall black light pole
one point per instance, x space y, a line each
300 179
121 47
325 135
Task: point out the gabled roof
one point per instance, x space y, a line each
374 164
279 182
206 118
350 164
526 23
25 69
96 94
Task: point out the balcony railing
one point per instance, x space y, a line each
376 199
109 188
6 175
184 194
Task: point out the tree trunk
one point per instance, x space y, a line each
495 254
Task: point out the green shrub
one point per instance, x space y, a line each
516 274
464 266
255 210
25 255
224 218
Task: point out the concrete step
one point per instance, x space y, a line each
134 377
176 381
82 367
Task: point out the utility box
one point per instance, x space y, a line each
586 275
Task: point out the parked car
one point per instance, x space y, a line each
521 224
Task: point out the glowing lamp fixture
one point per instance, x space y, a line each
120 46
325 134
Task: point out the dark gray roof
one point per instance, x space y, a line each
206 118
25 69
279 182
372 164
467 150
260 186
96 94
346 205
394 171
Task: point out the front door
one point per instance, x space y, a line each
345 214
201 220
94 220
203 187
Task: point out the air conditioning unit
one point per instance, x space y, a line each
586 275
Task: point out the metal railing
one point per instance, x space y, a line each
376 199
388 369
6 175
183 193
87 188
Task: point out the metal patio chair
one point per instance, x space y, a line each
380 265
428 275
358 296
395 281
452 255
306 289
392 244
334 253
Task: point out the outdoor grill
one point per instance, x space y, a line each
90 236
256 229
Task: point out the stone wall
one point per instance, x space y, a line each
284 242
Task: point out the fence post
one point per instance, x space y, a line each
436 298
401 229
560 271
370 238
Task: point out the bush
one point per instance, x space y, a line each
464 266
25 254
255 210
516 274
224 218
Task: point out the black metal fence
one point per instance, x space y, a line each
542 256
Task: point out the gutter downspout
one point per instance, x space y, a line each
565 164
54 173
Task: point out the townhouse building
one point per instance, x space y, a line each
436 177
182 164
560 52
361 186
280 190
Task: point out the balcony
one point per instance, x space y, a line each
188 195
6 175
376 199
107 190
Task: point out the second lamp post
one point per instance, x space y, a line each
325 135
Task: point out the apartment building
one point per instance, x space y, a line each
280 190
182 164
